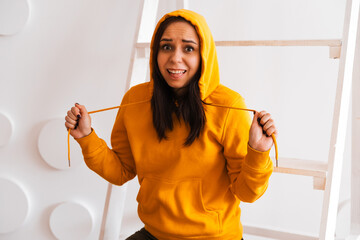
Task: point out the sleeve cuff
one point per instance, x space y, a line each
256 159
90 143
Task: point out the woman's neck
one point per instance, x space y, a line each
179 92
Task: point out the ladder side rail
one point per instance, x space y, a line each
139 57
113 212
182 4
340 120
115 197
355 158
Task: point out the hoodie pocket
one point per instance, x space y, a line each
176 208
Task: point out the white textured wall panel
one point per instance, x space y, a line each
6 129
14 206
53 146
71 221
65 52
13 16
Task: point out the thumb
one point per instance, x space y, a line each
255 130
255 120
84 121
82 109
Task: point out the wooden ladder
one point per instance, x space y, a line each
326 176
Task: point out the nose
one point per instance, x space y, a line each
176 55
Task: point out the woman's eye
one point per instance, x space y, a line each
189 49
165 47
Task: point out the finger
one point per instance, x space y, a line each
268 124
82 109
271 130
256 119
70 120
76 112
264 117
71 115
69 125
261 113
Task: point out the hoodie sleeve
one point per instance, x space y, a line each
114 165
249 170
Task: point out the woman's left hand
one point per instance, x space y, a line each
261 129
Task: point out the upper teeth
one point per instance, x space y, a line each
176 71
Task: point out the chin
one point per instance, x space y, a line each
176 86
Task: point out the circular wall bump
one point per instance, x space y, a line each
14 206
6 129
71 220
53 148
13 16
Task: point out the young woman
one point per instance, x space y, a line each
195 161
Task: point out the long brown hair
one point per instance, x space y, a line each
164 101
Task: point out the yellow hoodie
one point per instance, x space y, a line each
189 192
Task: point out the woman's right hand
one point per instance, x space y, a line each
79 121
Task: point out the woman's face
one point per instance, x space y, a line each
179 54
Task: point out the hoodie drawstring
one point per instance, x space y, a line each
210 104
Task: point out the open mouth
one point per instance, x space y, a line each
176 71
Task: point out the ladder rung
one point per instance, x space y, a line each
302 167
315 169
307 43
276 234
326 43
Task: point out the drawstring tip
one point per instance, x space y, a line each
68 145
276 150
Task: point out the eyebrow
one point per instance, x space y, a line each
184 40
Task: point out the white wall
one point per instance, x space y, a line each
68 51
79 51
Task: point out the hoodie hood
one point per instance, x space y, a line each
210 77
